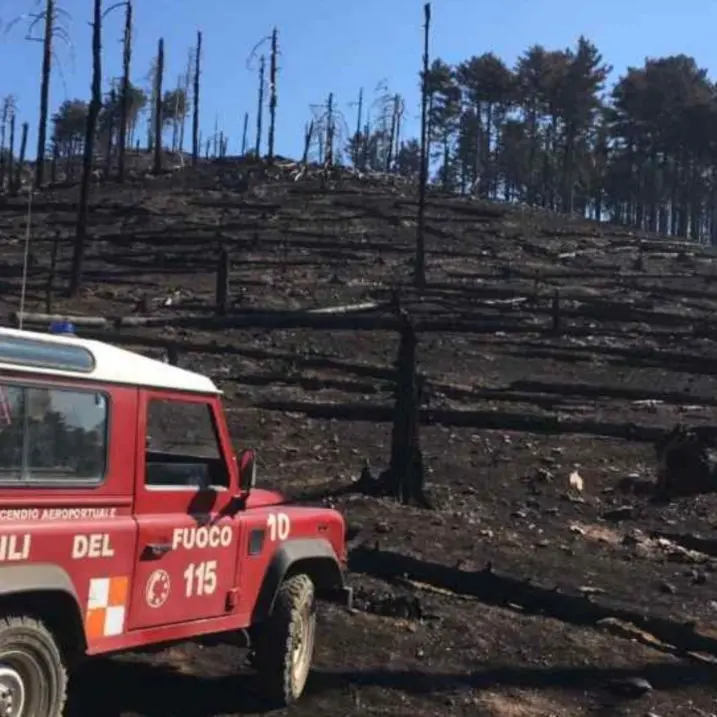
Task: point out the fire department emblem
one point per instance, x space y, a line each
157 590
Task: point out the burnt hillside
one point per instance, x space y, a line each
549 346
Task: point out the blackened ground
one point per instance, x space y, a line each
635 354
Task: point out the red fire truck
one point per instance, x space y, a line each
127 520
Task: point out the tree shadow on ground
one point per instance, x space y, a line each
664 676
110 688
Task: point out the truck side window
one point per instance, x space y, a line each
183 449
51 435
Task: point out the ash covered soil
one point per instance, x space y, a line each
513 407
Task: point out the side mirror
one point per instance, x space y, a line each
247 470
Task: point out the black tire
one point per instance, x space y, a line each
29 654
284 645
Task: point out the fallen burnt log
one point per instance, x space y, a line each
566 272
36 320
44 320
504 590
594 310
664 359
576 303
552 396
340 319
520 323
584 390
666 244
311 383
487 420
351 308
638 284
530 286
708 546
341 322
624 313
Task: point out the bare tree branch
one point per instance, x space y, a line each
113 7
253 54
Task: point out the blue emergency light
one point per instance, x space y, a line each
62 326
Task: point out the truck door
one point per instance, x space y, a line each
187 531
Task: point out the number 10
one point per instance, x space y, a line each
279 526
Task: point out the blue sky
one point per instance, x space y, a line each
330 45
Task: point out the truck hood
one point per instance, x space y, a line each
261 498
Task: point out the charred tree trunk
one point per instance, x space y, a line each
11 156
329 141
152 108
110 132
44 92
93 111
125 100
260 106
357 137
420 271
272 95
365 146
686 465
405 477
21 157
158 118
195 118
397 138
3 132
308 134
244 134
392 136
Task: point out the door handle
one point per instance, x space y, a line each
157 550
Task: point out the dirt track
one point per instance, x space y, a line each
634 353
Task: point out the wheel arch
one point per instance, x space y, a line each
313 556
46 592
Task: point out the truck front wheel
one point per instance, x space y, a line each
284 645
33 678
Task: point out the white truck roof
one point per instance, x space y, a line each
70 356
